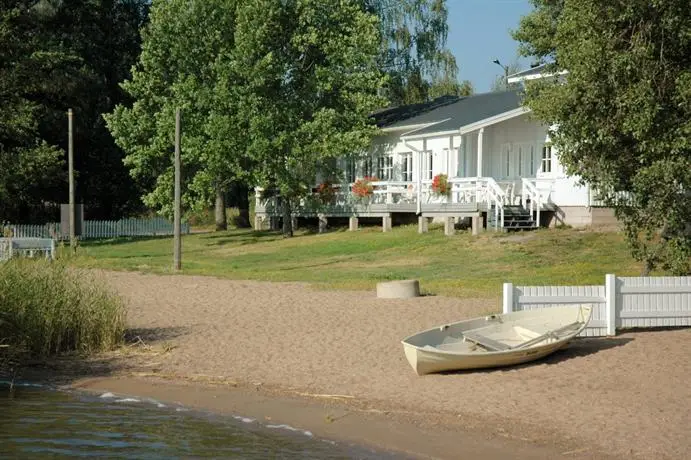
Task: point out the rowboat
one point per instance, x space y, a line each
495 340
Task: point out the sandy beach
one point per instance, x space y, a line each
623 397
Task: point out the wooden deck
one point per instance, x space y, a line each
380 210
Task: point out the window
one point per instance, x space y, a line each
462 165
367 167
532 161
507 165
430 165
547 158
407 166
350 171
385 167
520 161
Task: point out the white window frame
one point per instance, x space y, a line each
429 164
546 159
385 167
407 166
462 161
367 167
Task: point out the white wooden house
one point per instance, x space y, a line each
501 167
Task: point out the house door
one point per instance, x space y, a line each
510 166
525 159
518 160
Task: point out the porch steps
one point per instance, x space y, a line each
515 218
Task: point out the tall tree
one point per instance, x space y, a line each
185 62
413 49
54 56
310 79
623 111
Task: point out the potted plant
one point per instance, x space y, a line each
440 185
363 188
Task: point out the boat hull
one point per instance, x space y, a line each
427 362
496 340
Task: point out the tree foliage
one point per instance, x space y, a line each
184 63
413 49
623 111
56 55
310 77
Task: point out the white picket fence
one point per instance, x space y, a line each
621 303
98 229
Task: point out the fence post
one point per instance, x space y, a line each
611 303
508 298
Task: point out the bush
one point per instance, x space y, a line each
47 309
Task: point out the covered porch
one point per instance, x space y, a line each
495 165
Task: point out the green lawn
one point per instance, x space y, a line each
462 265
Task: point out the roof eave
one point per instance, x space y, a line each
535 76
493 120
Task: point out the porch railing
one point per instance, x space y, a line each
466 190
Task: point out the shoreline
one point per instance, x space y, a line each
330 417
331 362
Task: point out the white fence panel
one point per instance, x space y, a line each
661 301
622 303
97 229
533 297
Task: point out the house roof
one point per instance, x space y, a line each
465 111
391 116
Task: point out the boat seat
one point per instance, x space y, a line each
486 342
554 334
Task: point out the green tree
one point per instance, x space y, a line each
413 49
623 111
29 166
310 79
185 63
55 55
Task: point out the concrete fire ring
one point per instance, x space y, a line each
401 289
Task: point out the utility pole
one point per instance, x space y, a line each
70 165
176 224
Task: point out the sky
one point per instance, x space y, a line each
479 33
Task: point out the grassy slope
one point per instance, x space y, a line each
462 266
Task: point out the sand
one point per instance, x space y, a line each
626 397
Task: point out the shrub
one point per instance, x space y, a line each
46 309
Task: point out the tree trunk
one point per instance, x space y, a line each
287 219
243 219
221 220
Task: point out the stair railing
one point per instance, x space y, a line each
497 196
530 191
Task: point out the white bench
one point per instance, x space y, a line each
27 247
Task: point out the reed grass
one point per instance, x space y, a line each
47 308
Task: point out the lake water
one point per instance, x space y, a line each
39 423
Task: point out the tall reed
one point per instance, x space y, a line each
47 308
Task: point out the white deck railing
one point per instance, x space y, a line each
463 190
